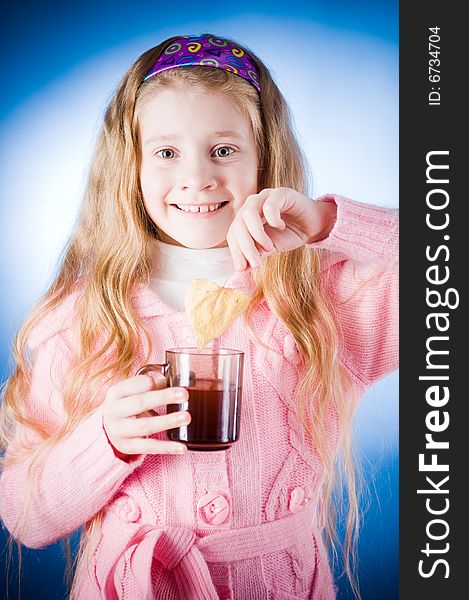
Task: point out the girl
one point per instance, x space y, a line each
197 174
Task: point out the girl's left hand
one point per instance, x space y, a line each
277 220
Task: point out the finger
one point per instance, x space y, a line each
239 261
272 211
131 386
254 225
150 446
246 244
151 425
140 403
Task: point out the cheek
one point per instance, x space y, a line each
246 187
144 185
250 183
152 190
236 206
247 184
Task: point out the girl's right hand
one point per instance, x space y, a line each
126 421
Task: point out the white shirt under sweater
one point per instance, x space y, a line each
174 267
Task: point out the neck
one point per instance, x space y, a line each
174 267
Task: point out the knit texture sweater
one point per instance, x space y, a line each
239 523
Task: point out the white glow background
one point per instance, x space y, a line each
342 88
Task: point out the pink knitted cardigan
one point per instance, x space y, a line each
235 524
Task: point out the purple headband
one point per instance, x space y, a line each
207 51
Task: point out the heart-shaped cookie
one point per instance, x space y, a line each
211 309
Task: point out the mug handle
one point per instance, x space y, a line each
162 369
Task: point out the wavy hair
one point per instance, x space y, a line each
106 258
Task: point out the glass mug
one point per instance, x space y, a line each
214 380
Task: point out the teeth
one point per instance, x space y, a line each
202 209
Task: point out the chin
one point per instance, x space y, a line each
204 245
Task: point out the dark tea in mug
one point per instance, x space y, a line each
214 408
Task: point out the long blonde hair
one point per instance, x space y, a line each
107 256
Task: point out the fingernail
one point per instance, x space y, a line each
182 418
180 449
180 394
239 265
255 262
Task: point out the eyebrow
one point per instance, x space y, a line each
172 136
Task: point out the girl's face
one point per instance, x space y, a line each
199 164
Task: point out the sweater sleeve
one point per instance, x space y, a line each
75 479
360 275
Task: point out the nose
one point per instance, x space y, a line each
197 175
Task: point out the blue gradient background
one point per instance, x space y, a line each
337 64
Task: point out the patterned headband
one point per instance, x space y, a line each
207 51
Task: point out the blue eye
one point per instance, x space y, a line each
224 151
165 153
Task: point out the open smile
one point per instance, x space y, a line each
206 209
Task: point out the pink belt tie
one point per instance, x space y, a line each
181 551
